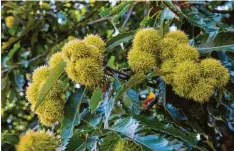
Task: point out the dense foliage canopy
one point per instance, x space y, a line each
132 75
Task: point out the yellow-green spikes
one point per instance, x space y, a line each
186 74
147 40
167 48
202 91
37 141
55 59
88 70
185 52
167 67
212 68
75 49
96 41
177 35
140 61
40 74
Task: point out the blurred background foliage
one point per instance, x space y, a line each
40 28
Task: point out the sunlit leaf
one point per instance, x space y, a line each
111 62
121 38
54 75
95 99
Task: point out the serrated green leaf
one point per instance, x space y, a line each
78 143
121 38
71 115
54 75
198 19
95 99
168 129
131 128
109 142
216 18
201 17
215 41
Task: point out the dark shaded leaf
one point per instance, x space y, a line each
175 113
13 50
216 18
162 91
134 80
9 139
19 80
215 41
198 19
116 83
5 84
71 115
202 18
10 41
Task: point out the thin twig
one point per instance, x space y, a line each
111 72
83 19
37 57
100 20
129 14
21 63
